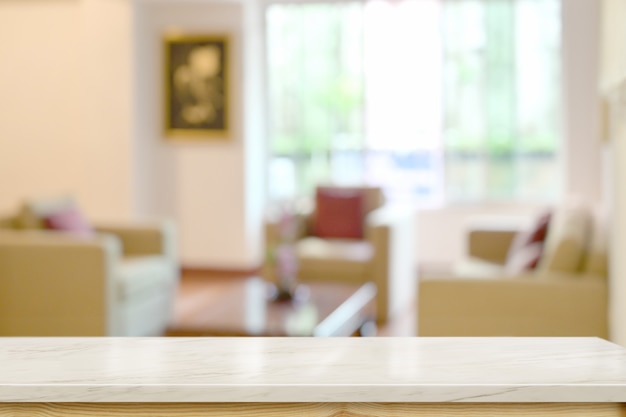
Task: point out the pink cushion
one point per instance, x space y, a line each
527 247
68 220
338 213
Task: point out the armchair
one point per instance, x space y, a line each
383 256
565 295
120 281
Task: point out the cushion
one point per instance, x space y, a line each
566 242
339 213
477 268
68 220
524 259
373 196
33 212
596 258
527 246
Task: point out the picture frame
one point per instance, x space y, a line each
196 81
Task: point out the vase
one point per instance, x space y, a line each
286 271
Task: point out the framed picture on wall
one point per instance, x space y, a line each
196 86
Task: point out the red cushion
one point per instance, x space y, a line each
527 247
69 220
338 213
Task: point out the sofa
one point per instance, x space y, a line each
384 255
119 280
564 294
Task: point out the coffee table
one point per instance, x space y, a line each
319 309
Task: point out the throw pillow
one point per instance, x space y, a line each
527 247
525 258
68 220
338 213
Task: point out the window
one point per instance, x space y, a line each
436 100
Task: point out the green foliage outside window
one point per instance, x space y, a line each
500 90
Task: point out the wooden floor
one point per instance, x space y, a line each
198 289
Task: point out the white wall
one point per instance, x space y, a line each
617 266
64 94
580 63
208 187
613 37
613 85
255 131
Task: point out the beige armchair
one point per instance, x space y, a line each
385 256
121 281
566 295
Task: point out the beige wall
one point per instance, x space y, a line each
106 103
64 94
40 84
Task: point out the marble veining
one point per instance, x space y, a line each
312 370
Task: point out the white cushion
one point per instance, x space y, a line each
323 259
478 268
317 249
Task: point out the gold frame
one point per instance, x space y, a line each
176 129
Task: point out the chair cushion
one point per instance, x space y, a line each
339 213
478 268
142 275
325 258
566 242
596 257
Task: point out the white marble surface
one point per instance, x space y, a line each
312 370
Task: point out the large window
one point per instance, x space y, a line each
436 100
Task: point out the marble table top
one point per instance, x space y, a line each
311 370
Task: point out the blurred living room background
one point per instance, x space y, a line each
462 112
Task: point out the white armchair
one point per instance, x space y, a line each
119 282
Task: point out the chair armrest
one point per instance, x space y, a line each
144 238
530 305
391 233
58 285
